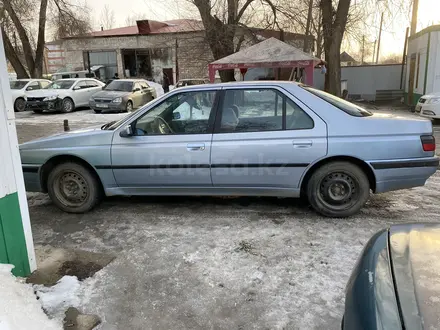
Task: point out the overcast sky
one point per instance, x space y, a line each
392 38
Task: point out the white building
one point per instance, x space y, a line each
423 64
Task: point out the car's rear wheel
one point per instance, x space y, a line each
19 104
67 105
338 189
73 188
129 107
98 111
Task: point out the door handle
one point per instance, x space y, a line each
302 144
195 146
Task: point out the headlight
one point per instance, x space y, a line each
434 100
50 98
92 99
117 100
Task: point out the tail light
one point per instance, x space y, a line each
428 142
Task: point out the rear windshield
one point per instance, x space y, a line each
347 107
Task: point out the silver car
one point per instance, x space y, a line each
122 95
249 138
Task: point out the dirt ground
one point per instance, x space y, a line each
211 263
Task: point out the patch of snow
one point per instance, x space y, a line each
19 307
58 298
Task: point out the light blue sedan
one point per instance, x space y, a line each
253 138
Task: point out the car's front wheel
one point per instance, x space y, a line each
67 105
19 105
98 111
129 107
338 189
73 188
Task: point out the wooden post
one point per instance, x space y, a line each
380 36
404 57
415 9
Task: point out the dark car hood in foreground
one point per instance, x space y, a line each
415 256
110 94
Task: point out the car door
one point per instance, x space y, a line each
264 139
137 95
170 145
80 93
94 87
146 93
44 83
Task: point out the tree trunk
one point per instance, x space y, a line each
333 74
12 57
39 53
26 44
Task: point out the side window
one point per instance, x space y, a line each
184 113
91 83
259 110
144 85
44 83
81 85
33 86
137 86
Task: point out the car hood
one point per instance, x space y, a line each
110 94
415 256
91 136
44 92
429 96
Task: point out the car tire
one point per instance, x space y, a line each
73 188
129 106
98 111
19 104
38 111
338 189
67 105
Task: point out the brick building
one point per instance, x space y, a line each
150 48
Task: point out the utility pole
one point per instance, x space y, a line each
404 57
309 22
363 49
415 9
380 35
374 50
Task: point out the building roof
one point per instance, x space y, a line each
345 57
153 27
429 29
268 51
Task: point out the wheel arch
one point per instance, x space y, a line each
52 162
364 166
70 98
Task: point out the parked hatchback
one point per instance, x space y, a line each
20 88
248 138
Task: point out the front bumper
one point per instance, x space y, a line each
403 173
428 110
108 106
54 105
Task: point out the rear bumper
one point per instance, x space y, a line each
403 173
109 106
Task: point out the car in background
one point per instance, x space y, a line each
245 138
122 95
429 106
20 87
63 95
190 82
395 283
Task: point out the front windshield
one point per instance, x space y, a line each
120 86
347 107
60 84
17 84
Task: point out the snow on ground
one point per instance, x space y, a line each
19 307
58 298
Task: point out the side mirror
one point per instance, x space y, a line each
126 132
136 90
29 88
76 88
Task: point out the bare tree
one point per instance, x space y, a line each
18 21
221 21
107 18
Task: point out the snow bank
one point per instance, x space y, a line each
19 307
58 298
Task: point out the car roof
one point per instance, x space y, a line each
256 83
76 79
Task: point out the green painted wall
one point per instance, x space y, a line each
12 242
415 98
